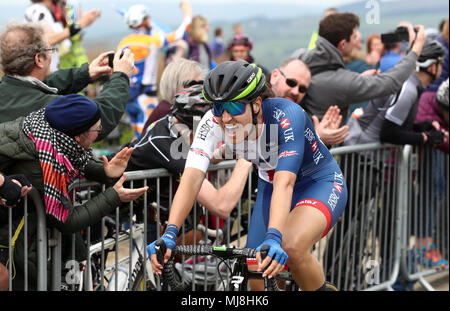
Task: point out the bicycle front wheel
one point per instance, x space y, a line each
139 284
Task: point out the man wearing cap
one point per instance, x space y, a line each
51 147
27 86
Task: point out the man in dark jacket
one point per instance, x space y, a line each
28 85
332 84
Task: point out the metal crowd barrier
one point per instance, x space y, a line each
426 225
396 195
22 232
360 252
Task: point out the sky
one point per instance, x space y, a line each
15 8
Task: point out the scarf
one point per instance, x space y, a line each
61 159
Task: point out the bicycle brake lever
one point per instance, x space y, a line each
264 251
160 248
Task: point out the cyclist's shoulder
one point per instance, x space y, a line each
276 109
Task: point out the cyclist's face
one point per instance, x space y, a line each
237 128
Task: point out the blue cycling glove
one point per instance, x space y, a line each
273 240
169 237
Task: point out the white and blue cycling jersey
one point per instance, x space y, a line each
287 142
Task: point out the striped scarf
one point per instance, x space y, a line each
61 158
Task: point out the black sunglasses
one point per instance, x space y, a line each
293 83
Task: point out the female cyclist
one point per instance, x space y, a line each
301 189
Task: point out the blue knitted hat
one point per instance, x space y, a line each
72 114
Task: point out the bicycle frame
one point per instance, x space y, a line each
120 278
129 277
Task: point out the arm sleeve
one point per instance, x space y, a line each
94 171
179 32
87 214
365 88
395 134
205 140
69 81
112 102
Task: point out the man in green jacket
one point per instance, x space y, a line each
28 85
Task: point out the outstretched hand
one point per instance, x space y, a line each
127 195
118 164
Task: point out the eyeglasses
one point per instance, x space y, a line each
98 130
293 83
51 50
233 108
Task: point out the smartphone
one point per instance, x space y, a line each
110 59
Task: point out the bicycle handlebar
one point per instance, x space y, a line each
169 273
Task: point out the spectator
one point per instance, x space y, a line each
390 119
443 39
394 51
240 47
391 56
12 188
196 47
399 119
51 147
360 61
315 34
146 46
75 55
217 46
41 12
291 81
375 49
175 77
28 85
238 30
332 84
433 106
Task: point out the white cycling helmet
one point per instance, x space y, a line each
135 15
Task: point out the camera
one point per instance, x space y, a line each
401 34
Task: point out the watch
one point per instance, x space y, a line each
74 29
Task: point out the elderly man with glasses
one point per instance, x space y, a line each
28 85
291 80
